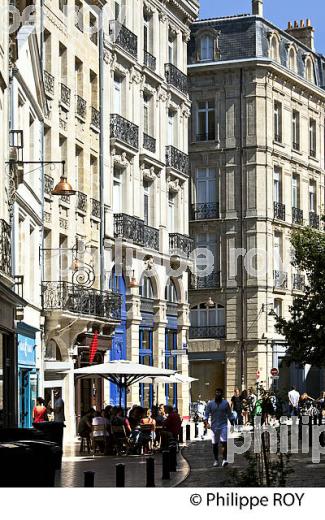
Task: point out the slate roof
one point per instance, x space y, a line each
246 36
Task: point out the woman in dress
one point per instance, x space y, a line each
40 411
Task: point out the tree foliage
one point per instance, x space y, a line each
305 330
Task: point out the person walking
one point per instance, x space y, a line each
293 397
237 408
58 407
220 412
40 411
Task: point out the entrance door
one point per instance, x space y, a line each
210 375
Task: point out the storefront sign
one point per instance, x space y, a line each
26 351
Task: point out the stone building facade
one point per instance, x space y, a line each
257 167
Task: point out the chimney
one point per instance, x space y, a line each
303 32
257 7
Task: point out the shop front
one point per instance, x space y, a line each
118 351
27 374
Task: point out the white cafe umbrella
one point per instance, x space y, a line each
123 373
174 378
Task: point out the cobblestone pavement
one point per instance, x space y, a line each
74 465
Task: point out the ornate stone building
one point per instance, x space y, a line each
257 166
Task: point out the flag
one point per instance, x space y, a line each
93 347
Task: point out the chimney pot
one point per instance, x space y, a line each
289 25
302 23
257 7
296 24
308 22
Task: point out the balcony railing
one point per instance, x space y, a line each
313 220
81 107
129 228
149 143
95 208
205 282
149 60
180 244
177 160
95 118
205 210
209 332
123 37
65 95
151 238
297 216
124 130
280 279
5 247
48 184
298 282
76 299
81 202
49 82
176 78
279 211
206 137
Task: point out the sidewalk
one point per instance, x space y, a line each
74 465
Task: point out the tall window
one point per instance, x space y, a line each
171 211
206 186
117 190
277 186
206 121
147 33
79 23
172 50
63 5
208 241
170 292
312 197
309 70
79 77
146 114
93 28
292 60
312 137
80 168
274 48
94 89
146 205
277 306
146 289
63 62
295 191
117 94
295 130
277 252
278 122
206 48
171 137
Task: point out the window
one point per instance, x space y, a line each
147 33
274 48
206 186
94 89
93 29
295 191
117 10
171 137
312 197
146 114
172 50
170 292
63 62
79 23
117 191
145 289
117 94
277 252
80 168
171 211
277 186
309 70
207 48
295 130
146 193
208 241
204 316
312 138
205 121
63 5
277 306
79 77
278 122
93 164
292 60
48 51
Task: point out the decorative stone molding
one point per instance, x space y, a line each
136 76
148 174
148 9
120 160
174 185
186 111
162 95
163 17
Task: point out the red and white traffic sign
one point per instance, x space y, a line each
274 372
258 374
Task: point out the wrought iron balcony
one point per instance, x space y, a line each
65 199
205 210
205 282
149 143
177 160
81 107
65 95
149 60
297 216
151 238
180 244
176 78
208 332
129 228
95 208
279 211
280 279
48 184
95 118
76 299
124 38
124 130
81 202
206 137
298 282
313 220
49 82
5 247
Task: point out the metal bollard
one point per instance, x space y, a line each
181 435
173 458
188 432
150 472
165 465
120 475
89 479
196 430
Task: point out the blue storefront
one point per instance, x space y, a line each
27 374
118 350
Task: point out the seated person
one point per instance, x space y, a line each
173 423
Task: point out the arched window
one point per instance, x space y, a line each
171 292
292 60
146 289
309 70
207 48
274 48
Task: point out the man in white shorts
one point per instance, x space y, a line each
220 412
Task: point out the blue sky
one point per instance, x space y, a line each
277 11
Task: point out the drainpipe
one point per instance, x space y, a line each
101 152
42 242
242 266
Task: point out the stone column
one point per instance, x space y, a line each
183 391
133 304
160 322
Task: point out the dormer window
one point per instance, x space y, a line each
309 70
292 60
206 48
274 48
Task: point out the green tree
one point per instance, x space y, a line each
305 330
